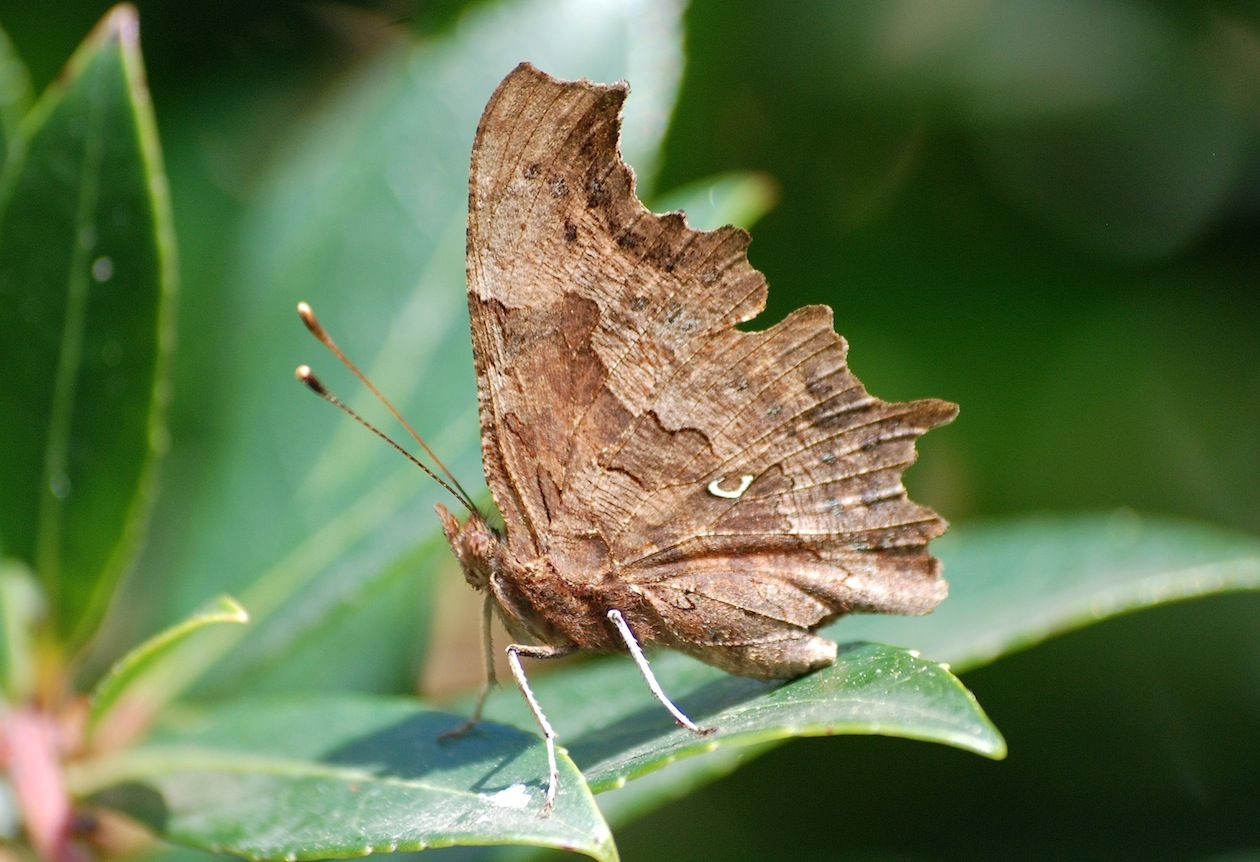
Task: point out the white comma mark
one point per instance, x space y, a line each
715 488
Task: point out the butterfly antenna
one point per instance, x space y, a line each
305 375
312 382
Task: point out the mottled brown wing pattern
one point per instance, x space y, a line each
622 409
571 321
823 526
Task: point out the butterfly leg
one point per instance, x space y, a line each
487 614
636 652
514 653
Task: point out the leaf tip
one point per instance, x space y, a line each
122 23
231 610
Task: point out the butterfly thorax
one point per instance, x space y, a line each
535 603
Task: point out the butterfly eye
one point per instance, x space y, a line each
716 489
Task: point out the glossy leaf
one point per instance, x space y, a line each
1013 583
615 731
1017 582
363 216
85 294
340 775
149 654
252 779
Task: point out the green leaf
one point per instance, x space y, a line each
21 608
1015 583
737 198
615 731
363 215
85 293
871 689
343 775
149 654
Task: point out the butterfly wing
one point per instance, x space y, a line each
744 485
570 279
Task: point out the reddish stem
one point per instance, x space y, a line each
30 748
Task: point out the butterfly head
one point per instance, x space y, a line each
478 547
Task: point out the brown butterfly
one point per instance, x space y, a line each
663 477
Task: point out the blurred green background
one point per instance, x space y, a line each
1047 211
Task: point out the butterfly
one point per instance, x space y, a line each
664 478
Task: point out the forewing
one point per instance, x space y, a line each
582 302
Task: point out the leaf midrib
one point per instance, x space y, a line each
69 360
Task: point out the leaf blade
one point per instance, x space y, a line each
86 281
337 775
143 658
364 218
1014 583
1017 582
615 732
